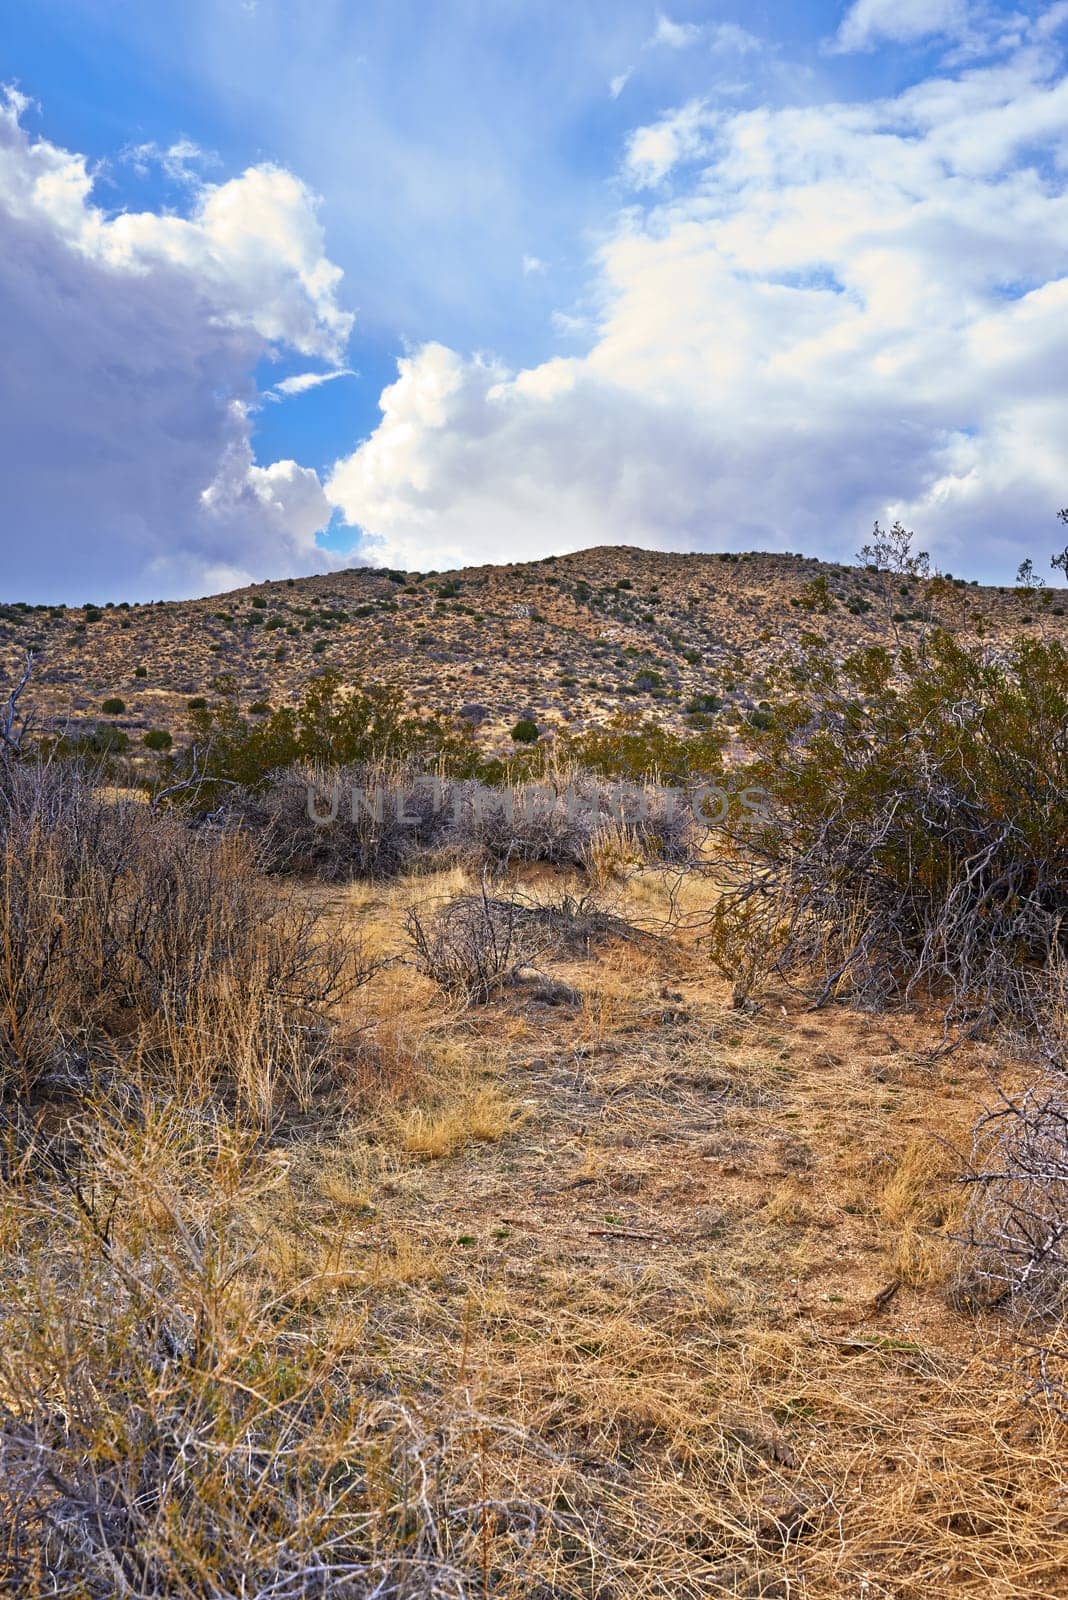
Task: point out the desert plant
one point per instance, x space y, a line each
368 819
474 946
158 739
127 935
634 749
526 731
917 837
560 819
113 706
332 725
890 555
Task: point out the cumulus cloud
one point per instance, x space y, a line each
129 344
849 310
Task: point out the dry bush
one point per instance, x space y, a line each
123 932
570 821
366 820
376 819
1018 1212
473 947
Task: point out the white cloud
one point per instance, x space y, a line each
850 310
973 28
533 266
653 151
617 84
129 347
868 22
676 35
301 382
730 37
182 162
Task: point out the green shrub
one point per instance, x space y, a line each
158 739
917 840
332 726
140 672
703 704
198 703
92 746
630 748
526 731
259 602
113 706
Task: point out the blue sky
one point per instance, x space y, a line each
696 277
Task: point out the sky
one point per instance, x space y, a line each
286 287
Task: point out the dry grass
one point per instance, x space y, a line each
638 1297
470 1111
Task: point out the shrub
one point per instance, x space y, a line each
259 602
633 749
565 822
474 946
703 704
1017 1218
158 739
113 706
918 833
198 703
816 595
366 819
167 953
331 726
526 731
93 745
140 672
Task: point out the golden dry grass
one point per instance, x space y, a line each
648 1293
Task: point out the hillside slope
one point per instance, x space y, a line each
571 639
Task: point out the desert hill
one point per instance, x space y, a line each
572 639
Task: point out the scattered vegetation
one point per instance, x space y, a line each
917 842
449 1227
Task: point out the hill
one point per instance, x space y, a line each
573 639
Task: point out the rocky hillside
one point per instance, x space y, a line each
571 639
